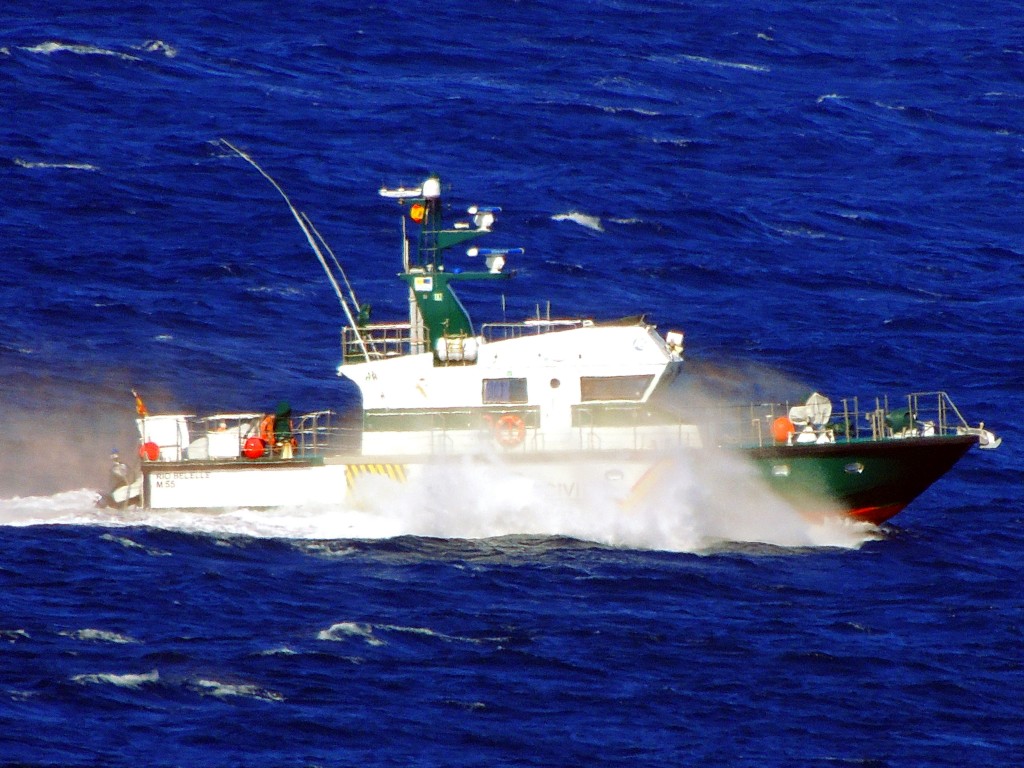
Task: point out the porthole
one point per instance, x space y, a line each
854 468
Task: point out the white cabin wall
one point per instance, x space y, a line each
413 381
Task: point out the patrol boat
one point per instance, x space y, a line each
575 407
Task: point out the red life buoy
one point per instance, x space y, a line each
510 430
149 451
254 448
782 428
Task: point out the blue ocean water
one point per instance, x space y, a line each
823 193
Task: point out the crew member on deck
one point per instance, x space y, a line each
283 440
118 471
119 478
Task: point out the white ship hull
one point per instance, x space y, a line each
358 481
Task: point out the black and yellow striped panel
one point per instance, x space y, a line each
395 472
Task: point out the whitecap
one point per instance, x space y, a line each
121 681
66 166
100 635
52 46
14 635
158 46
726 64
583 219
350 629
282 651
630 110
127 543
231 690
829 97
425 632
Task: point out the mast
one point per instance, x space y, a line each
433 302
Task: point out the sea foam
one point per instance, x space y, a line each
52 46
583 219
120 680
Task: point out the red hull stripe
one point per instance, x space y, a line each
876 514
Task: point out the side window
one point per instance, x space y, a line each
504 391
594 388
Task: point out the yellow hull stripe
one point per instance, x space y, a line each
394 472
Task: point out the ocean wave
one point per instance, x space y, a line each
129 680
67 166
707 60
216 688
281 651
583 219
158 46
612 110
64 507
53 46
100 635
128 543
345 630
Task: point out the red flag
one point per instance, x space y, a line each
140 407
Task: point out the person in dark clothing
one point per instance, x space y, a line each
283 429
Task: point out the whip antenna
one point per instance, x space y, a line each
301 219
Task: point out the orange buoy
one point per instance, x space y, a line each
782 428
149 451
253 448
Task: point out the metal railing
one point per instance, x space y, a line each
380 341
531 327
595 428
919 414
226 437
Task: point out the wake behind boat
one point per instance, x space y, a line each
575 407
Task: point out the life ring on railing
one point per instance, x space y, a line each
509 430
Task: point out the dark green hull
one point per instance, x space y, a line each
869 480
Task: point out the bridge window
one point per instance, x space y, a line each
504 391
594 388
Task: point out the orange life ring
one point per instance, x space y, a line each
509 430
